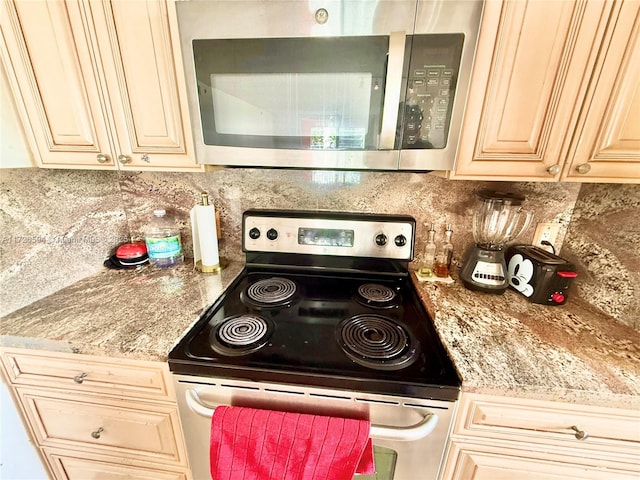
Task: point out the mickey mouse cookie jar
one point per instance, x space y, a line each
540 276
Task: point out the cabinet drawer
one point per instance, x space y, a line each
102 424
549 422
83 373
468 461
68 465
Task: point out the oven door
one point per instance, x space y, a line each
409 435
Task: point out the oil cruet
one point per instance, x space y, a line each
444 254
426 267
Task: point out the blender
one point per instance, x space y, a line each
495 223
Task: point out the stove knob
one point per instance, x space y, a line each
381 239
254 233
272 234
400 240
557 297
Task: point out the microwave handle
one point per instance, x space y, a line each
413 432
393 86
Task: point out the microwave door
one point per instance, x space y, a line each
291 93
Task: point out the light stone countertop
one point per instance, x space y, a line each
505 345
500 344
137 314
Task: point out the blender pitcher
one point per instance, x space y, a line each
498 219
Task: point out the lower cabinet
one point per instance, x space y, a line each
502 438
65 465
483 462
95 418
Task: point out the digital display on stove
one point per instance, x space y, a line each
330 237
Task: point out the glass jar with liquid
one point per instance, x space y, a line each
444 253
426 266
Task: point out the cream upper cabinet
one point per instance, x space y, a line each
98 82
502 438
606 145
555 86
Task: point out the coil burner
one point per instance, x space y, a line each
241 334
376 342
270 292
376 295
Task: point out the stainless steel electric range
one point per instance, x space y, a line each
323 319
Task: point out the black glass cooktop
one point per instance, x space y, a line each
345 331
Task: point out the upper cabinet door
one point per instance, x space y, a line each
607 143
532 66
146 90
48 57
98 82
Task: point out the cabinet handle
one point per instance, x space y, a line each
80 378
413 432
580 434
102 158
583 168
392 90
96 433
553 169
124 159
145 158
322 16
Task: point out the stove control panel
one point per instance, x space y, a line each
329 233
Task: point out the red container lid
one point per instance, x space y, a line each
131 250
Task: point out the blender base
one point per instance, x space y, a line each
484 270
483 288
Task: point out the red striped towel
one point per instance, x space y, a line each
252 444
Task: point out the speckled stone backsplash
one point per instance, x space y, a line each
426 197
604 243
59 225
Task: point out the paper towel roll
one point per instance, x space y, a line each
205 238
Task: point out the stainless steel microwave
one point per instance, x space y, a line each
328 84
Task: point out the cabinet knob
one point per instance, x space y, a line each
322 16
123 159
580 434
102 158
553 169
96 433
583 168
145 158
80 378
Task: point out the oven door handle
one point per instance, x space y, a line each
414 432
406 434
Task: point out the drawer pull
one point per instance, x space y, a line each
96 434
553 170
583 168
580 434
80 378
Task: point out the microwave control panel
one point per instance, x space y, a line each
431 83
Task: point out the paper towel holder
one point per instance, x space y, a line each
204 269
197 239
